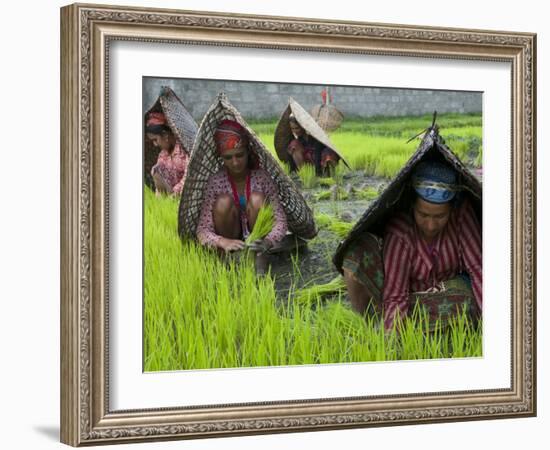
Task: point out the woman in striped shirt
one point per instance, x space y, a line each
431 254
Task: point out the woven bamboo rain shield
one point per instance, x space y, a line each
398 195
326 114
205 162
180 122
283 136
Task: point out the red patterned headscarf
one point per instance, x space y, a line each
230 135
156 118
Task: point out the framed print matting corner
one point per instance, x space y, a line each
106 396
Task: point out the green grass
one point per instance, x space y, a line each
202 311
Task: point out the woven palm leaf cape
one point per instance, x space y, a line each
180 122
283 135
399 194
205 162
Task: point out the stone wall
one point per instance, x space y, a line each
268 100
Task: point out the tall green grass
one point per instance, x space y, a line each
203 311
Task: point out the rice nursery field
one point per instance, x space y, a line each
202 311
379 146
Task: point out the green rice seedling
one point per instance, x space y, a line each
479 158
295 261
459 147
360 161
412 334
336 193
339 194
326 182
323 195
338 173
461 330
367 152
323 220
264 224
390 165
307 176
341 229
318 291
366 194
463 132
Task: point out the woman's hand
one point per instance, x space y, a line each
260 245
230 245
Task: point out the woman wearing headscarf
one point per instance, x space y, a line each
305 149
235 194
300 140
429 251
171 167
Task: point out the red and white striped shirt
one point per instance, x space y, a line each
410 265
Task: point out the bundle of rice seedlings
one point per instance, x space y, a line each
340 228
264 224
326 182
323 220
307 176
316 292
323 195
341 194
366 194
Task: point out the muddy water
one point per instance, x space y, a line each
312 264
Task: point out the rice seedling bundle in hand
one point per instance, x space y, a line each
264 224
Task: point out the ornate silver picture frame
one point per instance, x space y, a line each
88 33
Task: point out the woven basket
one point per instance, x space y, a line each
205 162
283 136
327 116
179 120
399 194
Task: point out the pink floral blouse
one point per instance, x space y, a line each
219 184
172 167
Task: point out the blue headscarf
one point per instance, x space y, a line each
435 182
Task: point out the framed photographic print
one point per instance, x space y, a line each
184 131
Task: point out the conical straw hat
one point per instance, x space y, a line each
283 136
180 122
397 196
205 162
